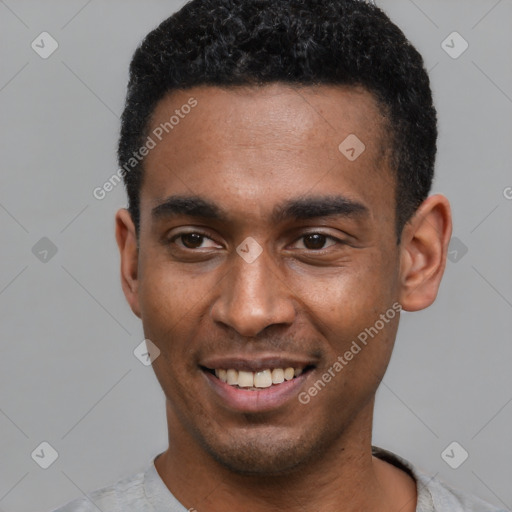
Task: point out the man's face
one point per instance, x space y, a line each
265 164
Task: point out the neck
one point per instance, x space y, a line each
346 478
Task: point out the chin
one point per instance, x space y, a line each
265 453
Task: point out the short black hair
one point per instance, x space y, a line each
230 43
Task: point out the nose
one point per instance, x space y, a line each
253 296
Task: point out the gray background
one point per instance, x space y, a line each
68 375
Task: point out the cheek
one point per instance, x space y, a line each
357 313
174 305
166 312
165 303
168 293
350 296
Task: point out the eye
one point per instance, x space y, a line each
193 241
317 241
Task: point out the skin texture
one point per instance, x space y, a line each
249 150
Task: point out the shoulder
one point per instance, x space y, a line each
446 498
112 498
434 495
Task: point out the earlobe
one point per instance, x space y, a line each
126 238
423 252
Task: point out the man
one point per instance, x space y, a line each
278 156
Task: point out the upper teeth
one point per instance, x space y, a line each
262 379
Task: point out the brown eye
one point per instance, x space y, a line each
192 240
314 241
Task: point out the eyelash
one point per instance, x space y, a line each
204 235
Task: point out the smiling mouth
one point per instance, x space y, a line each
253 381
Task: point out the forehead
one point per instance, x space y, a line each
253 147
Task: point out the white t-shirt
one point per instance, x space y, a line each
146 492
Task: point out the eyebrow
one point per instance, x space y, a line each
298 209
318 206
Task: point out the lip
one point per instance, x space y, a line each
256 364
251 401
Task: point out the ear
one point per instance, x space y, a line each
127 242
423 251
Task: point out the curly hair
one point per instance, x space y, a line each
230 43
